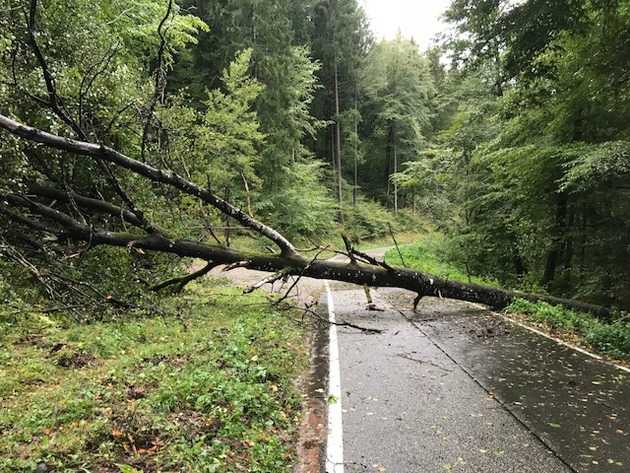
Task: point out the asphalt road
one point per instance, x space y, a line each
454 388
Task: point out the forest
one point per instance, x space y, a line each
138 137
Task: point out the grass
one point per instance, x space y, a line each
612 339
211 388
428 254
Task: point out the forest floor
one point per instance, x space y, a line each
211 387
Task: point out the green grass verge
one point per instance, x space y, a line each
212 389
611 339
428 254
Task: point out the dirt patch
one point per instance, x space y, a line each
67 356
195 425
311 446
173 360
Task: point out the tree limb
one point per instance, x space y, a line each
289 261
96 205
183 281
106 154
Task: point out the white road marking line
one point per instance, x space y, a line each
334 445
557 340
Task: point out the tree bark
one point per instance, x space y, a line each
395 171
557 245
338 139
355 188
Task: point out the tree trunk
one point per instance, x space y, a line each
555 252
338 140
355 189
388 166
395 171
226 220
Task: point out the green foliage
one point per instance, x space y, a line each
303 207
367 220
210 389
222 145
609 338
397 84
433 254
597 165
534 145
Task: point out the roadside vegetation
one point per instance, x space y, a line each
209 386
610 338
432 253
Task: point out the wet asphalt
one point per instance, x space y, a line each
453 388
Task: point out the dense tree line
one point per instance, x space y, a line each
258 102
531 158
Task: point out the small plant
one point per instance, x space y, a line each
213 390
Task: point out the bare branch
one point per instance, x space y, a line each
391 232
299 277
96 205
183 281
371 260
90 77
158 87
268 280
54 102
307 309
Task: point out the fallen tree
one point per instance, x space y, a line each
46 210
28 209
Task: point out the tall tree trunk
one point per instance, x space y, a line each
568 245
226 220
395 171
519 265
355 189
556 249
338 139
388 167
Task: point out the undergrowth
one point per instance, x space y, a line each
208 388
429 254
612 339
